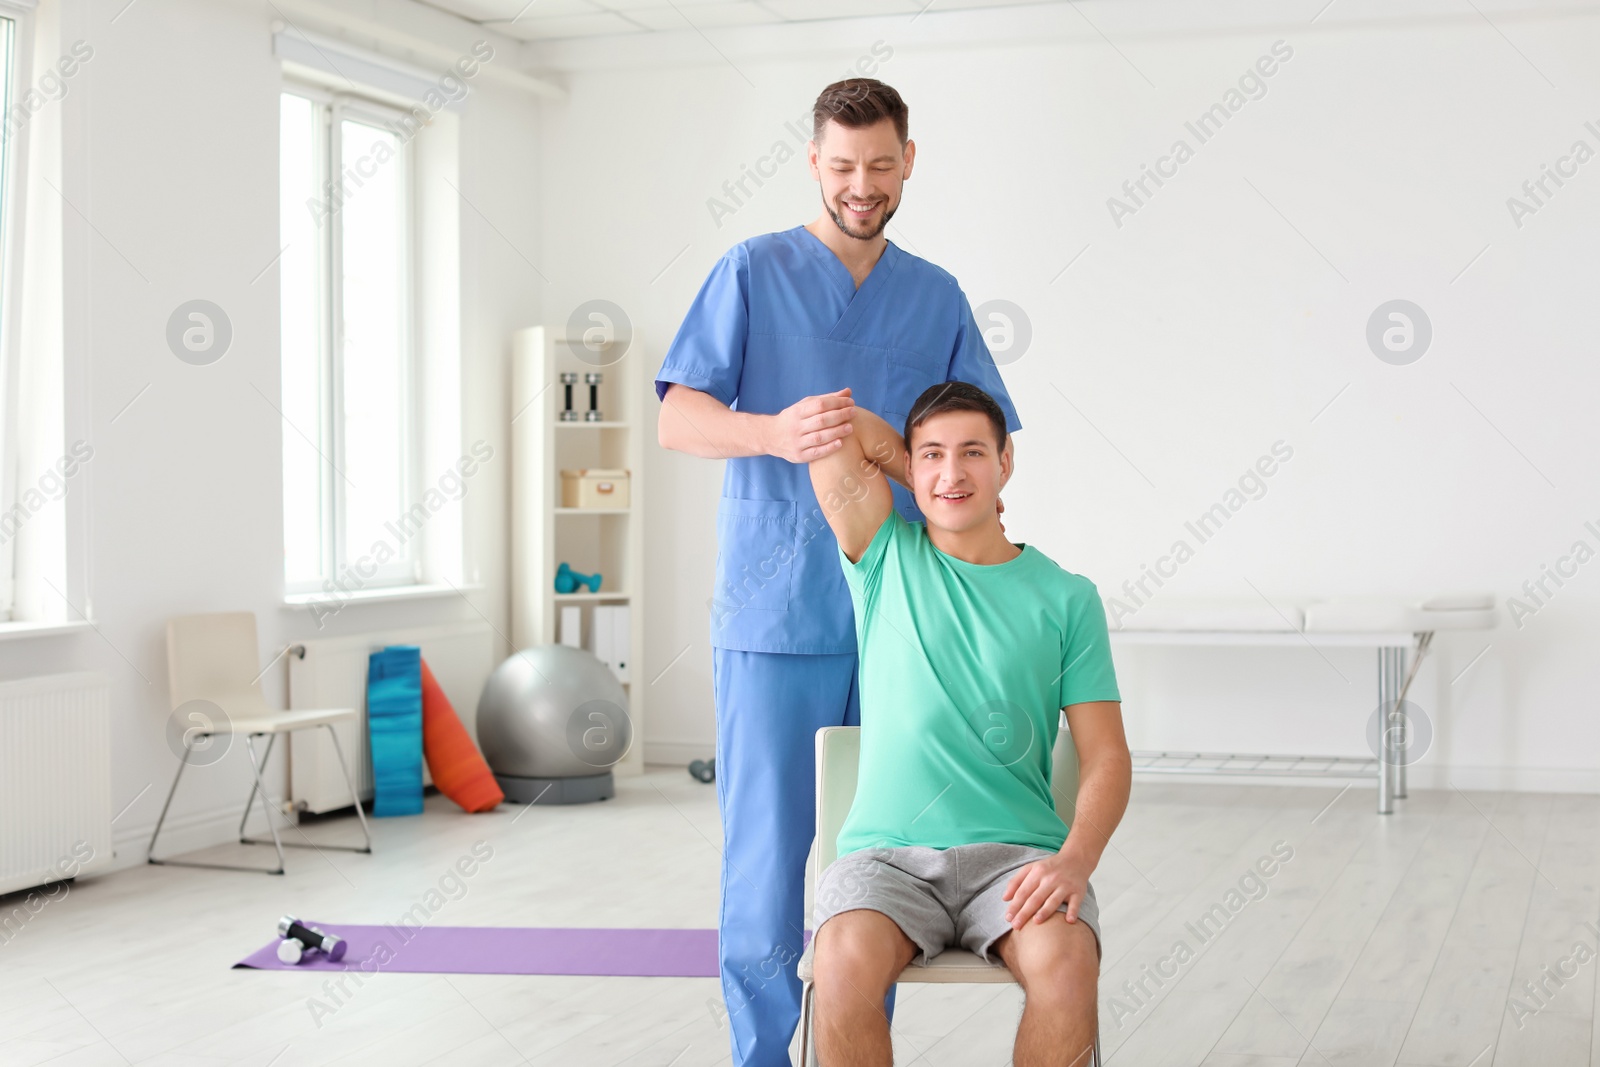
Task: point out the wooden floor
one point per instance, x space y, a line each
1383 940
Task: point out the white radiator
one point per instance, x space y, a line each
55 779
333 674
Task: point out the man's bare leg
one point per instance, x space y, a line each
859 955
1059 970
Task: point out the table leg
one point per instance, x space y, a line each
1403 726
1385 748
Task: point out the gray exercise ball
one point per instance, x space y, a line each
552 721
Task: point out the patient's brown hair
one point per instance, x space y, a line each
956 396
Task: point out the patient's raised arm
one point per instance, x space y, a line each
852 483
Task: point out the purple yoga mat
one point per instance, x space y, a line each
508 950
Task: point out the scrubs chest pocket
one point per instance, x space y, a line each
755 554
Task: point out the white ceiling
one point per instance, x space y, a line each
543 20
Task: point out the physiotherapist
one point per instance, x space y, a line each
756 375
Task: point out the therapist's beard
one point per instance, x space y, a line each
844 225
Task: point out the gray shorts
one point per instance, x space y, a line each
938 897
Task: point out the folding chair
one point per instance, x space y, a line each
213 658
838 757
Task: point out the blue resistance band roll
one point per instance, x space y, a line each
394 729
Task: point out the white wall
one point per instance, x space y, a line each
1190 339
171 154
1223 316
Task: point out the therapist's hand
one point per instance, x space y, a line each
811 428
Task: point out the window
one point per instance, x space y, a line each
351 438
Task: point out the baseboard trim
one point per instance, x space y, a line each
678 753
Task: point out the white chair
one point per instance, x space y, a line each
838 758
212 659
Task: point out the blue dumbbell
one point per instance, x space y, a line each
568 580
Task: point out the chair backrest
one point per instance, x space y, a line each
1064 773
839 760
214 657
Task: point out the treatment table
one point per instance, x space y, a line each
1396 629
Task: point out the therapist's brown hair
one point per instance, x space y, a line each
857 103
956 396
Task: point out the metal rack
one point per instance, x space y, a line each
1264 765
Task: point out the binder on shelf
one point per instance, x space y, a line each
609 638
600 634
572 625
619 641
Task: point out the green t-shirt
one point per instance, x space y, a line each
964 670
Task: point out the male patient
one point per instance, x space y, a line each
969 648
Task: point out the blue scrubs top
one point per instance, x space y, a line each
780 319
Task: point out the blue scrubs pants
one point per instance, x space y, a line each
769 709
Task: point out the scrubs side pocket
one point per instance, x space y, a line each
755 555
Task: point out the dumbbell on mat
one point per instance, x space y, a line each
298 939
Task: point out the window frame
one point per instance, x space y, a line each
16 26
332 109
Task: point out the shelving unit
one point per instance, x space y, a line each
544 534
